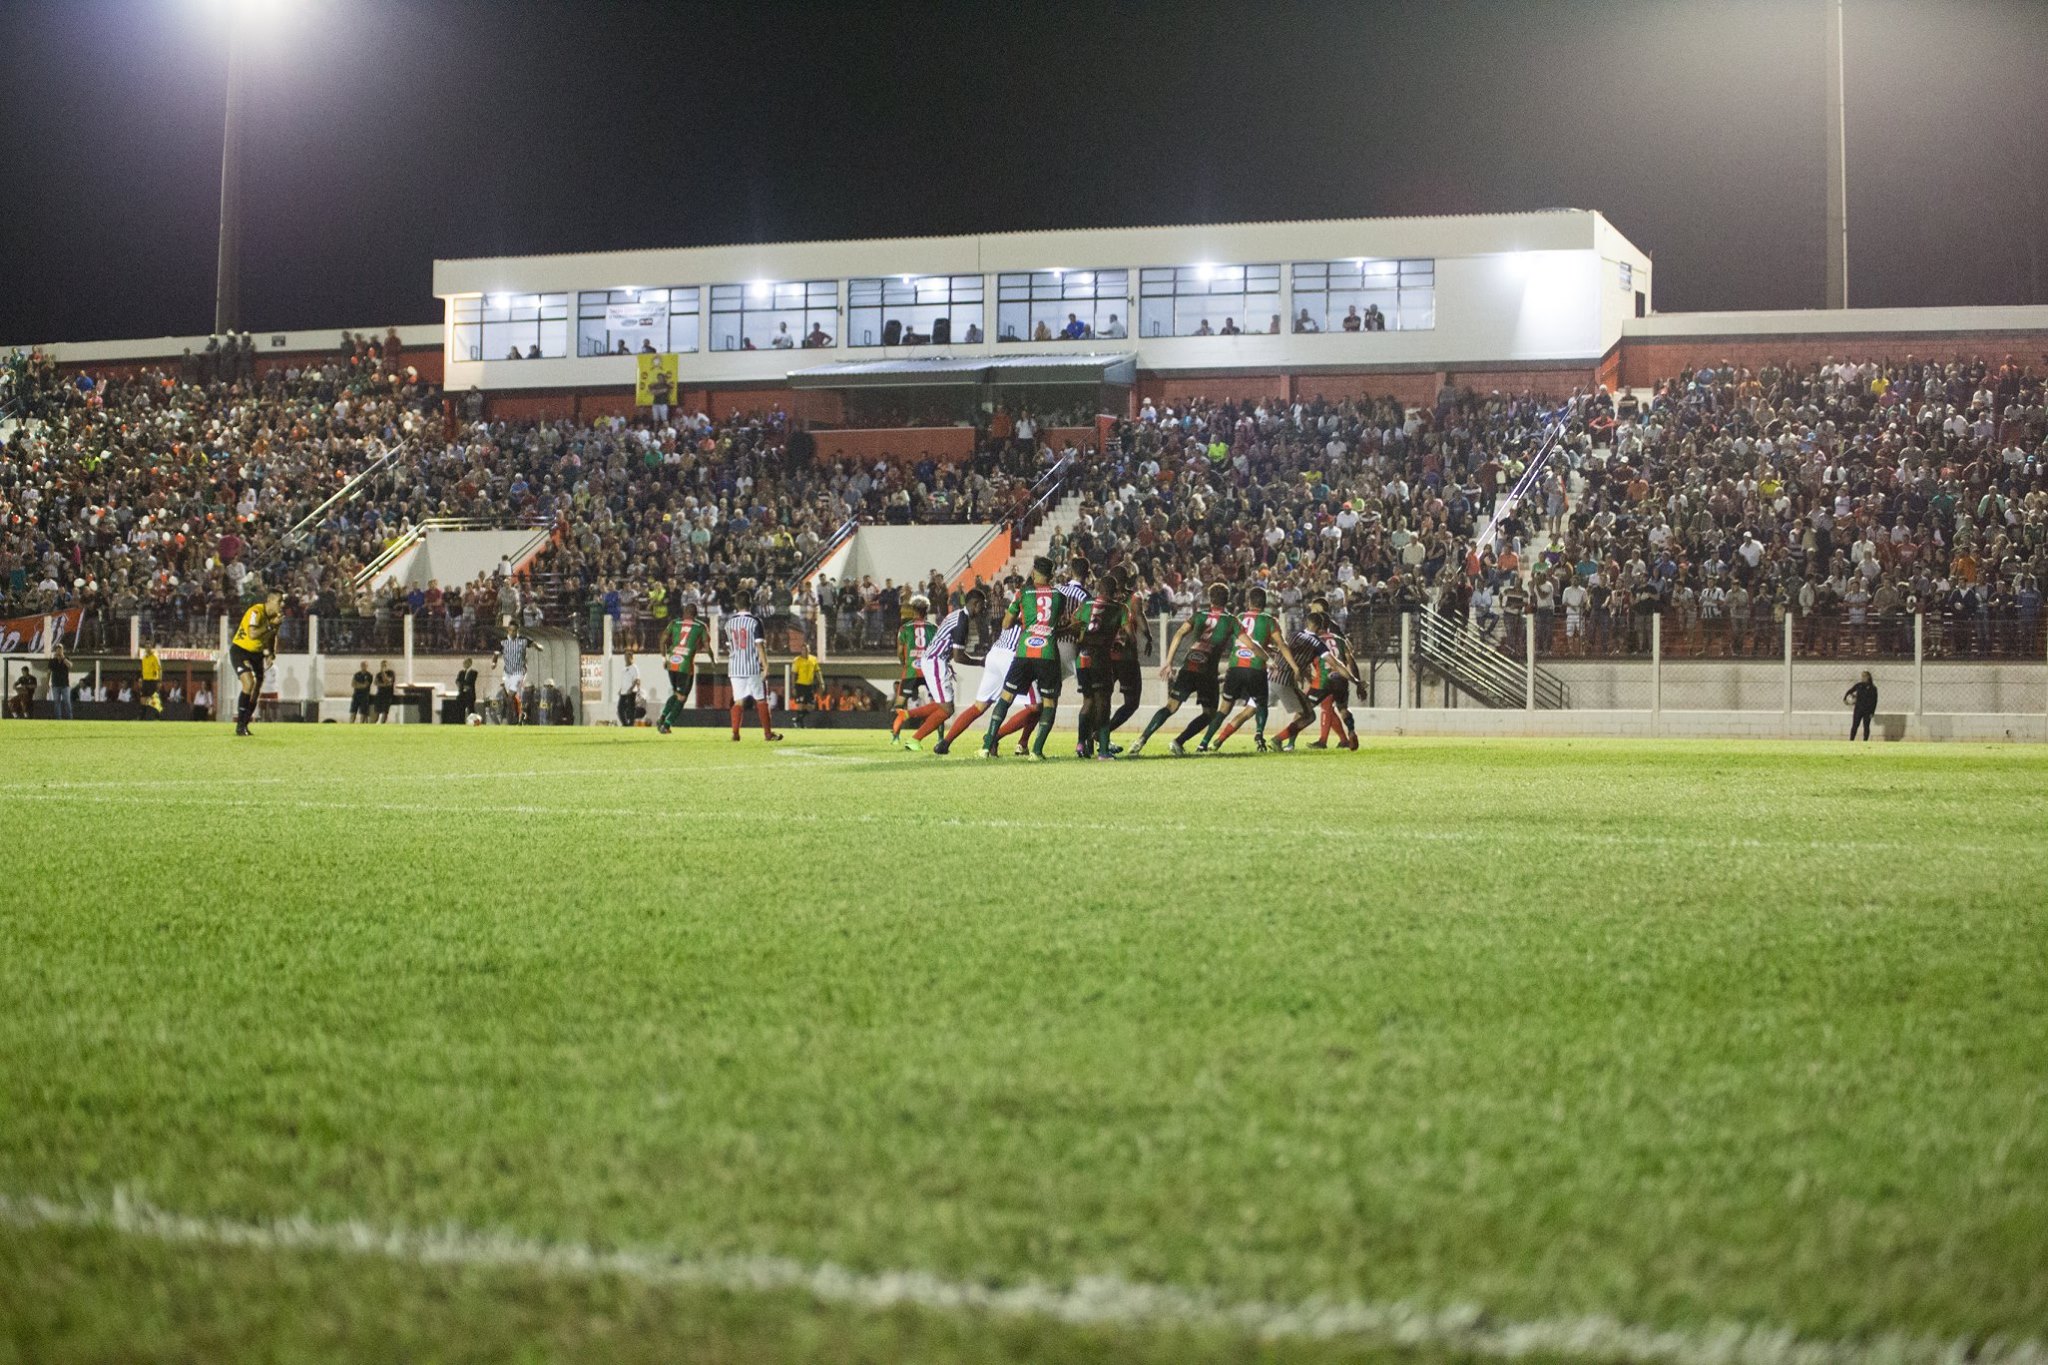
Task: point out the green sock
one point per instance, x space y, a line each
1259 719
1044 729
1214 726
1158 719
1102 744
995 721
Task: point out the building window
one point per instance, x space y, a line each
628 321
1063 305
777 315
511 326
1208 300
1628 276
914 310
1364 296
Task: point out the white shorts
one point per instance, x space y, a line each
938 679
994 669
747 688
515 683
1066 657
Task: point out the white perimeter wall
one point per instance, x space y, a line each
907 554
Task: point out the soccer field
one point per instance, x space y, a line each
448 1044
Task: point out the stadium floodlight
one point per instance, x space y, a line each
760 289
1204 271
501 300
242 18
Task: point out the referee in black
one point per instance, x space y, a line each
1862 696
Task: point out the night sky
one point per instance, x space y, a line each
384 134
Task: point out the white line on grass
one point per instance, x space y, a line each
1368 835
1103 1301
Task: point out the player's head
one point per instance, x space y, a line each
1319 620
274 600
1319 603
920 606
1255 597
1077 568
1041 570
1219 594
977 597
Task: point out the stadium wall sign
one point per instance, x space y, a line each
35 634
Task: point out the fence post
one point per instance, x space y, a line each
1528 661
1407 654
1656 671
408 649
609 692
1789 619
1919 664
134 637
223 674
316 676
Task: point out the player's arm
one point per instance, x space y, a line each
1173 647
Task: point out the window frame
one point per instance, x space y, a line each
541 310
1049 294
808 302
1176 283
874 301
599 299
1407 286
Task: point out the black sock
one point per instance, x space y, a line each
1200 724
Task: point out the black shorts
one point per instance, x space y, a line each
246 660
1043 673
1200 683
1129 672
911 686
1247 685
1095 678
679 683
384 703
359 704
804 693
146 688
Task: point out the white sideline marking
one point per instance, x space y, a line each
1368 834
1103 1301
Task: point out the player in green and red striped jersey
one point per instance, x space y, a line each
1039 611
681 643
911 640
1247 682
1099 623
1212 632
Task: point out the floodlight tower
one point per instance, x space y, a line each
227 282
1836 132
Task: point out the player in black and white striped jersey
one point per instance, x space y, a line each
745 664
935 666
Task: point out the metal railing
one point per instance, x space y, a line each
1532 476
1464 657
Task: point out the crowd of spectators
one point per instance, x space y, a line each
1847 496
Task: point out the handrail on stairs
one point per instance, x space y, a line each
1044 493
1554 428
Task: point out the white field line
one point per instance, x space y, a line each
1365 836
1094 1302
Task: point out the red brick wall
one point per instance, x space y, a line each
1176 390
901 443
1554 383
1413 387
1645 360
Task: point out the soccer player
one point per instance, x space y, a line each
744 664
1212 632
254 642
803 683
1247 681
1039 611
512 659
1337 713
681 641
911 639
149 693
995 670
1321 675
1075 590
1126 664
1099 622
948 643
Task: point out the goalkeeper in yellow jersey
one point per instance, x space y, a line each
254 644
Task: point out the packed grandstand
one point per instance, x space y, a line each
1850 495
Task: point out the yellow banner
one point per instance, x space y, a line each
652 368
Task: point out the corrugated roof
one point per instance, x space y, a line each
1037 368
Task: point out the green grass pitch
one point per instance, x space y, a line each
1667 1034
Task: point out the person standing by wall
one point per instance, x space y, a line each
630 709
60 684
1863 697
151 691
387 691
359 694
465 690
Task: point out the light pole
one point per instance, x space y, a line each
1835 127
227 285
